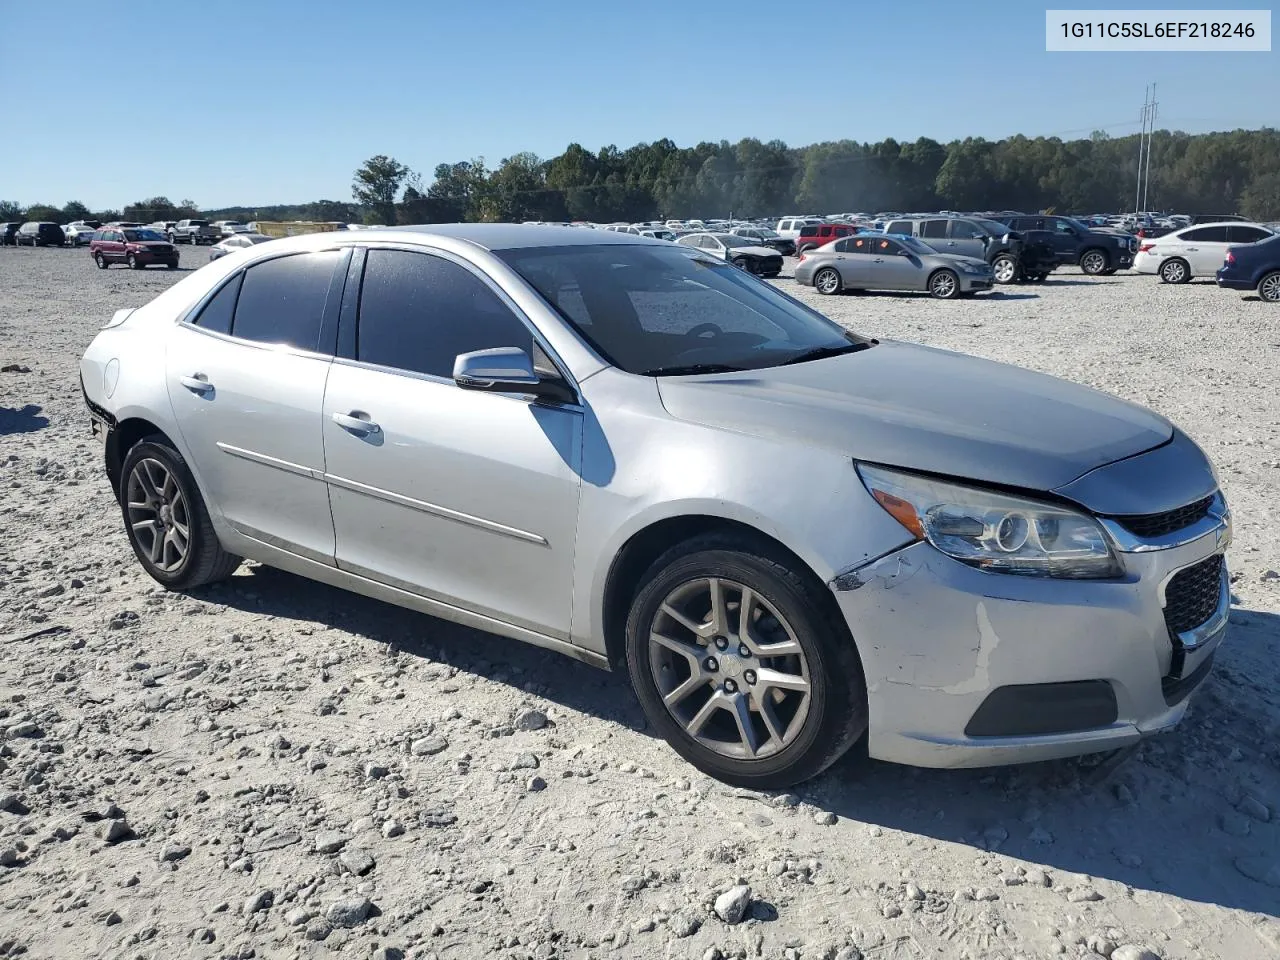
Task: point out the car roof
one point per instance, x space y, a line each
515 236
1223 223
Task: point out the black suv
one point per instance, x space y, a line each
40 234
1097 252
972 237
9 234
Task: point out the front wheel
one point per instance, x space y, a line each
133 262
944 285
1005 268
1093 262
166 519
827 281
1269 287
739 664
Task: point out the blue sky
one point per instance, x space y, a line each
278 101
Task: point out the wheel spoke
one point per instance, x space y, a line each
746 607
746 729
694 726
148 525
719 615
141 505
783 648
776 730
157 547
696 681
144 480
698 629
690 651
767 678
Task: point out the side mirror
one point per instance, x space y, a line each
507 370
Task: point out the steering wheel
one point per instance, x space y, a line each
702 329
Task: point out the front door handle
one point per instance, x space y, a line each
196 383
1193 249
357 421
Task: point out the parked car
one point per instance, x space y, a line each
237 241
1097 251
739 251
79 233
9 233
658 233
228 227
986 240
1253 266
816 235
1196 251
789 227
588 483
1217 218
139 247
766 237
877 261
40 234
194 232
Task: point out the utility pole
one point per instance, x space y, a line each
1146 110
1155 112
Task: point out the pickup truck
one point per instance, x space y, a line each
1098 251
194 232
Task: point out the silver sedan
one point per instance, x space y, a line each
786 535
877 261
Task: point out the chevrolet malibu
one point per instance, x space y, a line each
787 535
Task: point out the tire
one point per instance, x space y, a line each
1269 287
1109 272
204 560
172 264
816 727
171 240
827 281
101 261
744 264
1094 262
1005 268
944 285
1037 277
133 262
1175 270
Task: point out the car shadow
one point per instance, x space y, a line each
1075 283
22 420
1001 295
1148 823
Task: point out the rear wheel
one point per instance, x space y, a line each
827 281
737 664
166 520
1005 268
1269 287
944 285
1175 270
101 261
1093 262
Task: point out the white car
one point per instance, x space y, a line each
741 252
1196 251
237 241
790 227
79 233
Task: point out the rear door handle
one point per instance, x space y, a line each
357 421
1193 249
196 383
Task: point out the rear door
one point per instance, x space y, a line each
465 497
964 238
246 377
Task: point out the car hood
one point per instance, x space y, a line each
926 409
757 251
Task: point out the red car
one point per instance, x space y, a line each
813 237
139 247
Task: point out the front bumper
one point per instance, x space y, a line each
938 638
970 283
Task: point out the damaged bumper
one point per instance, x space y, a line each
966 668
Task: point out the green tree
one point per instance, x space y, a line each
376 186
10 210
42 211
154 208
75 210
1261 199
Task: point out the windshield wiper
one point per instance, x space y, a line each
677 371
821 353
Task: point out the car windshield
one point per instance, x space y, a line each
140 236
994 227
253 237
732 241
665 311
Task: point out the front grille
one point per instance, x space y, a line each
1192 595
1152 525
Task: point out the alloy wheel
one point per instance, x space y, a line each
1093 263
828 281
1173 271
157 513
729 668
1269 288
943 286
1005 269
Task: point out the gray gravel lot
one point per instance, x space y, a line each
273 768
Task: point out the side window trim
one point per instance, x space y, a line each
538 340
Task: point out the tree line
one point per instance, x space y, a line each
1213 173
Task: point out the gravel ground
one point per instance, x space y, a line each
273 768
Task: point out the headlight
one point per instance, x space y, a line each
994 531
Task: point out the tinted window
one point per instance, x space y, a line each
217 313
1062 227
418 312
885 247
282 300
1206 235
859 244
1245 234
930 229
899 226
964 230
808 231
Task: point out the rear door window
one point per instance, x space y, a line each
931 230
1207 235
218 312
282 300
418 312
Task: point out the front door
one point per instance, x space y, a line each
893 267
465 497
246 378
